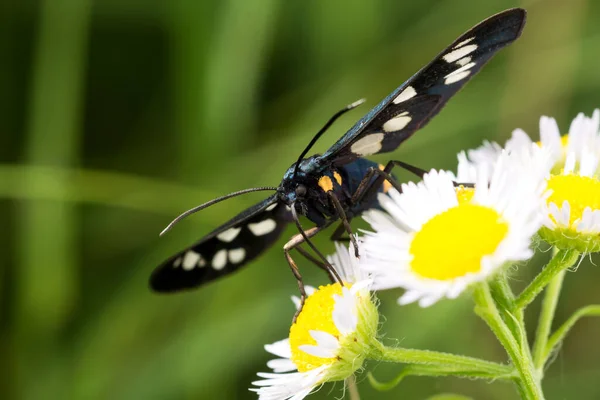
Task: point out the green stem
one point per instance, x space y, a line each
434 371
352 388
435 358
527 382
559 335
562 260
501 291
514 318
545 320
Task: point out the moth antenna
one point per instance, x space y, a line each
210 203
324 129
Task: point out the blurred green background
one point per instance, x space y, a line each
116 115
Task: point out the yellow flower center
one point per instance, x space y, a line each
453 243
464 194
316 314
579 191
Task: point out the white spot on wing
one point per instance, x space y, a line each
177 262
461 69
370 144
456 77
406 94
461 44
459 74
271 207
237 255
464 60
219 260
459 53
229 234
397 123
263 227
190 259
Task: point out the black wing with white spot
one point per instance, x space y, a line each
416 101
225 250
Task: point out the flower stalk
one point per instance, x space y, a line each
545 321
561 261
559 335
528 381
442 360
437 371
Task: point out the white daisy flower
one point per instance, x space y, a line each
468 161
571 214
583 137
436 239
572 210
484 160
330 338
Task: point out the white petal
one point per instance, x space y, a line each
317 351
518 140
296 301
281 365
289 386
325 340
570 163
409 297
281 348
565 217
429 300
344 313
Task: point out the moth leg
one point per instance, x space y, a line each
368 187
299 280
410 168
292 244
313 260
345 221
337 235
366 184
304 237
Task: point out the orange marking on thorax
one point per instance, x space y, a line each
386 184
325 183
338 177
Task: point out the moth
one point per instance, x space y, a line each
339 184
